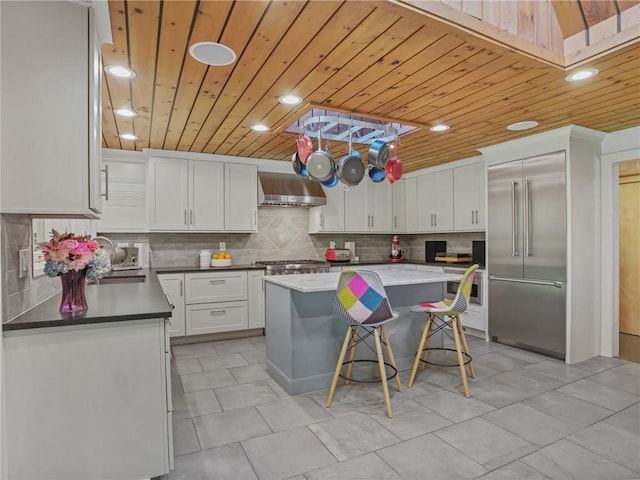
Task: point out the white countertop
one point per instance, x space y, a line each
322 282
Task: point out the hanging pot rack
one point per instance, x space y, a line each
364 132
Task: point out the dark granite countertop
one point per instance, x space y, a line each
408 261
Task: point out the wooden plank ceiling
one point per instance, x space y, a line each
372 59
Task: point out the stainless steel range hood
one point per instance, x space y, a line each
289 190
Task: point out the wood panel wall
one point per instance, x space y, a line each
629 208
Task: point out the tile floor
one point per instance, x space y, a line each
529 416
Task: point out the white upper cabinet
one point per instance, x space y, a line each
435 201
369 207
185 195
399 206
469 191
240 197
411 195
328 217
51 127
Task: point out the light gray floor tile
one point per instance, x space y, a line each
176 386
566 460
497 393
245 395
226 463
486 443
275 386
359 397
284 454
527 380
530 424
185 439
500 362
627 419
526 355
558 370
192 350
410 420
454 406
438 376
599 364
606 397
568 408
365 467
629 368
292 412
233 346
228 427
254 357
225 360
616 444
429 457
195 404
481 371
478 346
258 341
338 435
206 380
182 366
621 381
250 374
515 470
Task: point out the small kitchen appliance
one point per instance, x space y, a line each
125 258
338 255
396 253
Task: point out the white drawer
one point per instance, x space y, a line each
217 317
473 319
216 287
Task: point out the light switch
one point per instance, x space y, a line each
223 246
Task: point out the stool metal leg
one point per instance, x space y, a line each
463 374
472 370
416 361
352 352
332 390
383 372
392 359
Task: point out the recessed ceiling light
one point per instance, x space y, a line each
522 125
441 127
581 74
125 112
119 71
290 100
260 128
212 53
128 136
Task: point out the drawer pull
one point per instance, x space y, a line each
216 282
214 313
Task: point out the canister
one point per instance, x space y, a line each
205 258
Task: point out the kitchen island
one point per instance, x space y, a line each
88 396
304 337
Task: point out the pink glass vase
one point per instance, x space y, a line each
73 298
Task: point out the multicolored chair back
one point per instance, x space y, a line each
361 298
461 301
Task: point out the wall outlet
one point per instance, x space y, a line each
23 256
223 246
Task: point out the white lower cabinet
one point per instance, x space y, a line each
256 298
216 317
473 317
173 286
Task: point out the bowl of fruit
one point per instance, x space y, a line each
221 259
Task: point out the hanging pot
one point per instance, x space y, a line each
332 182
305 148
320 164
379 153
350 167
394 168
376 174
298 167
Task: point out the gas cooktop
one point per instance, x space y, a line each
285 267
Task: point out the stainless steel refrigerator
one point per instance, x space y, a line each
527 250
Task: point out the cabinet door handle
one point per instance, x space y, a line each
216 282
181 291
191 215
106 182
322 221
216 313
472 222
371 221
186 221
435 219
395 222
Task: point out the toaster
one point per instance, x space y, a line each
338 255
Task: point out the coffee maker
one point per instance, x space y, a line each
396 253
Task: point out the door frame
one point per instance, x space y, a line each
609 242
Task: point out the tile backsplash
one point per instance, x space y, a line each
283 235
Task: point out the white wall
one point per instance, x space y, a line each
616 147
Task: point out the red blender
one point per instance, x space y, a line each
396 254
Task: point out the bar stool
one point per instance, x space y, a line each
361 300
444 315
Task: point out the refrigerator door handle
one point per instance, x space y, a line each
514 252
520 280
527 214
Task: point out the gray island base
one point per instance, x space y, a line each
304 338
